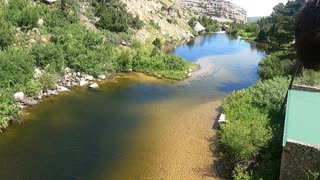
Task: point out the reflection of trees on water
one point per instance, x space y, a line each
260 47
232 37
199 40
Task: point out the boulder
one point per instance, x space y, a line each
50 1
67 70
19 96
29 101
52 92
89 78
198 27
102 77
124 43
94 86
40 22
35 30
62 89
83 82
37 73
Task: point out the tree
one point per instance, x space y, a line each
113 16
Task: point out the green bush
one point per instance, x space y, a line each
157 43
269 95
50 54
253 130
242 140
55 19
114 20
28 18
93 62
47 81
32 88
276 65
12 11
123 62
7 113
16 67
6 34
154 24
135 22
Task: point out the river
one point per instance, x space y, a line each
134 126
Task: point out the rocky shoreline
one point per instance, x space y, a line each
73 79
64 83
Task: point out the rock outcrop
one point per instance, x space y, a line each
220 10
198 27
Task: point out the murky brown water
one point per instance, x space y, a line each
134 126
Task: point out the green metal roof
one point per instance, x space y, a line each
302 117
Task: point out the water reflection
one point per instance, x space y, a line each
213 44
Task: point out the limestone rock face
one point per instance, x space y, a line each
220 10
198 27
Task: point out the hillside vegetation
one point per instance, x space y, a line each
251 139
42 43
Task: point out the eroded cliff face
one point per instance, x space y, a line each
162 18
221 10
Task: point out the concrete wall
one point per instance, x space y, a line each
298 159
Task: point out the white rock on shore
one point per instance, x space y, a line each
89 78
102 77
19 96
94 86
83 82
62 89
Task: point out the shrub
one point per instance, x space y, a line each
242 140
12 12
16 67
32 88
28 18
154 24
7 113
50 54
114 20
269 95
275 65
55 18
135 22
123 62
47 81
174 62
6 34
157 43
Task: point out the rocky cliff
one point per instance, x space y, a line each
162 18
220 10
